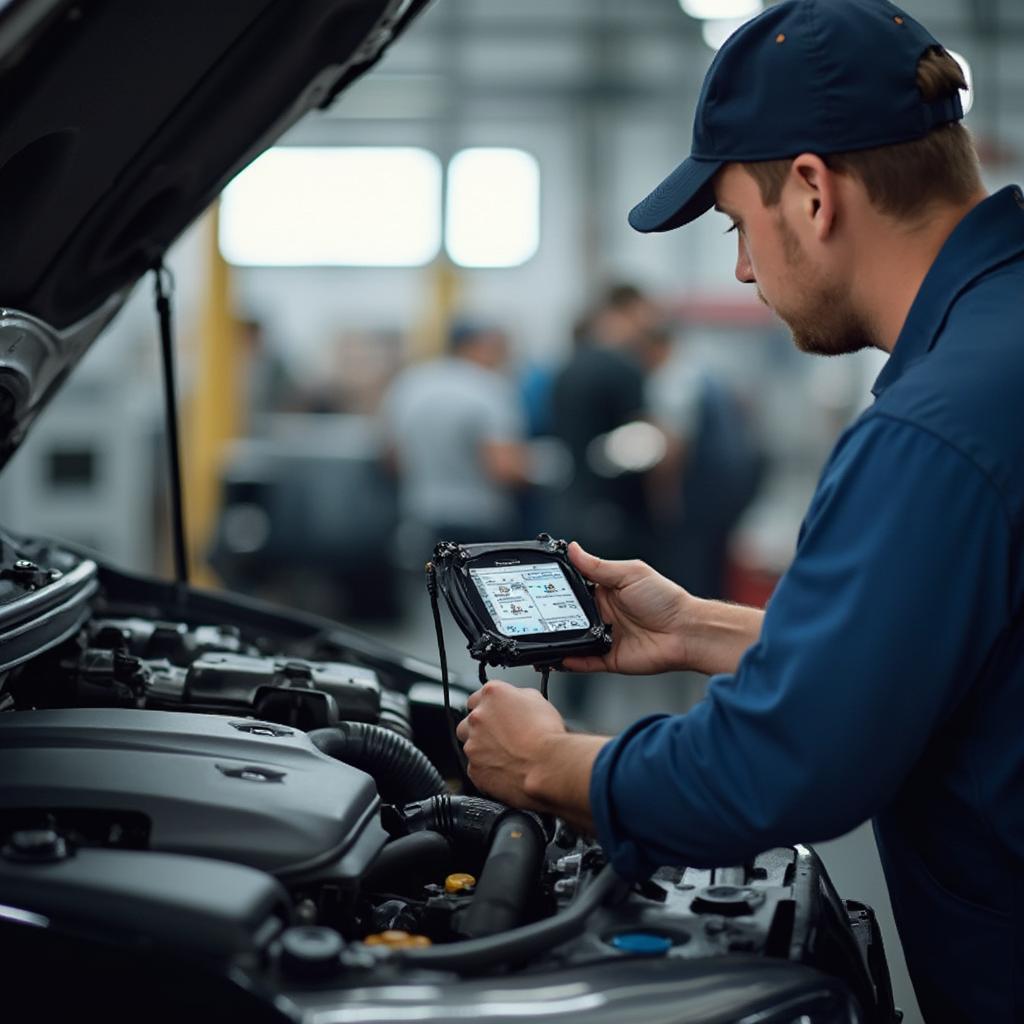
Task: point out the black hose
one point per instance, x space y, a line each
409 863
522 943
510 877
461 818
402 771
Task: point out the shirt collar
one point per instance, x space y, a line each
991 234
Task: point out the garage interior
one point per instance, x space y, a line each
480 175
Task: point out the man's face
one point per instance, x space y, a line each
805 288
628 325
492 349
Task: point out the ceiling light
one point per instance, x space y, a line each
493 210
716 9
312 206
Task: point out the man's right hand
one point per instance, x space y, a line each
647 613
657 626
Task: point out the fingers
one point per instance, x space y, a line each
604 571
590 565
485 691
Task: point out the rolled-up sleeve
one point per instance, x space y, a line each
900 586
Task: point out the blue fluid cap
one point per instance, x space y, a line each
642 943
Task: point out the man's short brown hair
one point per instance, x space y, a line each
903 179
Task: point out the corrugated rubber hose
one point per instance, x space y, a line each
402 771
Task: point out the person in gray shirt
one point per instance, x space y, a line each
455 428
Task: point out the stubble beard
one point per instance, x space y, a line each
825 324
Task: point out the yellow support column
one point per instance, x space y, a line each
444 293
214 410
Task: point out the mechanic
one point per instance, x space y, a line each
886 677
455 427
601 388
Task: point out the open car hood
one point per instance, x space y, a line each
122 121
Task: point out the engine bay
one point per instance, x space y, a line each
265 794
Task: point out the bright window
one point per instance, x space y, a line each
492 216
722 8
308 206
966 95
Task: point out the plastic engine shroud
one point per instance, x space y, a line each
235 790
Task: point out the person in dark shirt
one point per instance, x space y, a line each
886 677
599 389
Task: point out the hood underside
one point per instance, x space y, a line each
123 120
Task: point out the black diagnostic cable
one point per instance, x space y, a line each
545 675
460 757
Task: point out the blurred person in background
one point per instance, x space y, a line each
600 389
455 431
713 468
269 387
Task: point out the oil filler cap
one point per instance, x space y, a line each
641 943
395 939
310 951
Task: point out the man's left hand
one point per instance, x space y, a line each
504 737
520 752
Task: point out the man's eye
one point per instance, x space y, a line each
732 227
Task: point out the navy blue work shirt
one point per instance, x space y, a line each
888 679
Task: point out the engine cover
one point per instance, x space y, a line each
231 789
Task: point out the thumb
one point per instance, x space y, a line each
607 573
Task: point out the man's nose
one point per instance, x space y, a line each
744 271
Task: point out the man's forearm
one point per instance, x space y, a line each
558 780
717 634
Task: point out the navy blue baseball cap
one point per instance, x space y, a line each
805 76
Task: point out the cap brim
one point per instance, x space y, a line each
683 196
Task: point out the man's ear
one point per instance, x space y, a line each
813 189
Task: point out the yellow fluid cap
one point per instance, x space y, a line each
459 882
395 939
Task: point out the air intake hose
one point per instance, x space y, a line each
401 770
462 818
407 864
515 842
509 879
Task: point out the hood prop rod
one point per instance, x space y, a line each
163 311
